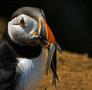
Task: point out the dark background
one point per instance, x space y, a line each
70 20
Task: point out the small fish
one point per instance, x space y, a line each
48 41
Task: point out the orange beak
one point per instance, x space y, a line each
49 35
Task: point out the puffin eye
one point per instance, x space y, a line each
22 22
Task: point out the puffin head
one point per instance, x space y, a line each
24 24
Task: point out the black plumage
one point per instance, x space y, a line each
8 65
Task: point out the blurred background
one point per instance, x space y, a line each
70 20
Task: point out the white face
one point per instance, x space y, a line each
20 29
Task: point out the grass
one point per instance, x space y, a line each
2 26
74 71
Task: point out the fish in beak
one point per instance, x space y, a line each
48 41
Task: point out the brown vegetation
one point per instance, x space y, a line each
2 26
74 71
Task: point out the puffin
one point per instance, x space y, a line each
27 50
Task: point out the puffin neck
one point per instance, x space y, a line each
25 51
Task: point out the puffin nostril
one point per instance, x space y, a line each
22 22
